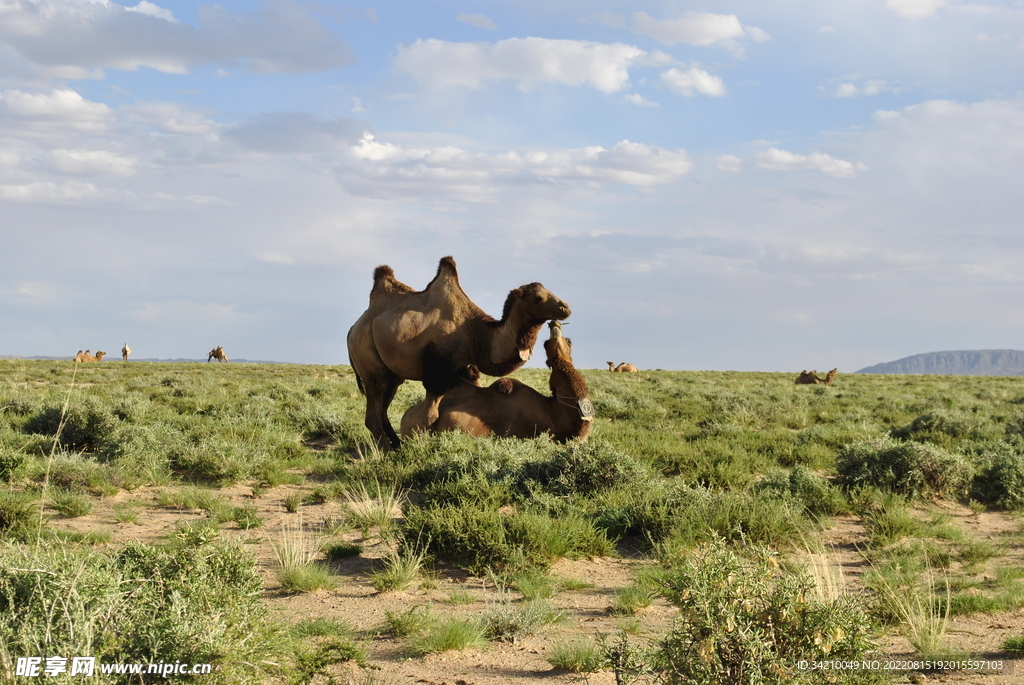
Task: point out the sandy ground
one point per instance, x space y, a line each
587 611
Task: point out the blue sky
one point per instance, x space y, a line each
718 185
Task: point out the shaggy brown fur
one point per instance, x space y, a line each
218 354
125 351
426 335
509 408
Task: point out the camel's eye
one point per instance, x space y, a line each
538 299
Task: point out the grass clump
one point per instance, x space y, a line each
629 600
446 635
71 504
742 620
399 572
913 469
509 622
342 550
577 656
409 622
297 569
1001 480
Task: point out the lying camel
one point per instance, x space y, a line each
427 335
87 356
218 354
806 378
512 409
125 351
623 367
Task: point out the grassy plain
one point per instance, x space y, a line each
694 476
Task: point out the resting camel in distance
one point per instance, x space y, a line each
511 409
79 357
218 354
87 356
623 367
812 378
125 351
806 378
427 335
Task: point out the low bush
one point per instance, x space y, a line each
815 494
908 468
743 621
1001 480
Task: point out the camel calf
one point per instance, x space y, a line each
509 408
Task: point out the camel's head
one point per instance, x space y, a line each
99 355
539 303
557 346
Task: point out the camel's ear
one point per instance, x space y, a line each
518 292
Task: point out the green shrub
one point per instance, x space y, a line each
937 426
741 621
907 468
577 656
11 460
509 622
585 469
143 603
814 493
71 504
1001 481
446 635
86 425
18 515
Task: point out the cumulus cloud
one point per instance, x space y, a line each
695 28
730 163
63 107
297 132
481 21
383 169
65 34
639 100
783 160
87 162
693 81
915 9
866 88
49 192
528 61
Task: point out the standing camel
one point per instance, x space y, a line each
426 335
511 409
218 354
125 351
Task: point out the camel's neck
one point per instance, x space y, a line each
571 411
509 343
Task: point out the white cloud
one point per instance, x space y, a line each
64 107
50 192
730 163
639 100
827 29
357 106
85 162
915 9
481 21
696 28
693 81
384 169
867 88
783 160
528 61
152 10
170 117
281 36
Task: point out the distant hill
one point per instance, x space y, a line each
957 363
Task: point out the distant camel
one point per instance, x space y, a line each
806 378
509 408
218 354
428 335
87 356
623 367
79 357
125 351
